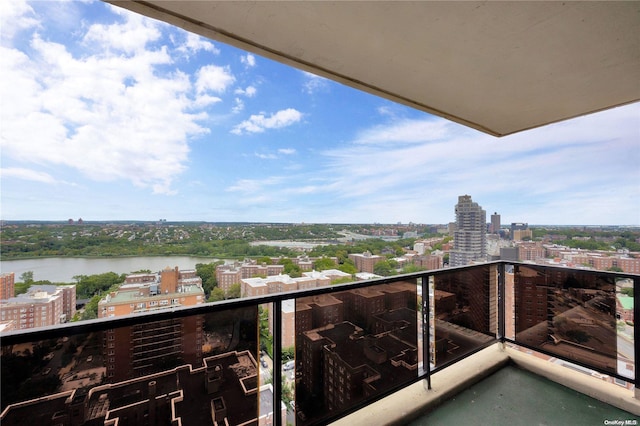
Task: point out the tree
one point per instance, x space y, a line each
324 263
217 294
266 339
234 291
207 272
383 268
91 308
92 285
411 268
27 277
342 280
627 291
288 353
349 267
291 268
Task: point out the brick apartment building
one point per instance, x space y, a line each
145 292
259 286
429 261
281 283
135 351
365 261
41 306
7 285
230 274
604 262
530 251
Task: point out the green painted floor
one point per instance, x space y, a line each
515 397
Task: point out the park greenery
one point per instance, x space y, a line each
240 241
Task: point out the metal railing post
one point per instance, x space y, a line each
636 336
426 329
501 302
277 362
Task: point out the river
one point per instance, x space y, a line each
63 269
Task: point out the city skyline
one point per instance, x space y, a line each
118 117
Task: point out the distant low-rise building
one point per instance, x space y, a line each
133 351
365 261
593 259
530 251
7 285
41 306
145 292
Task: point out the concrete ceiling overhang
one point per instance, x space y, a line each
499 67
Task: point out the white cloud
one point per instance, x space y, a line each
259 123
108 111
287 151
16 15
203 100
314 83
214 78
539 175
254 185
26 174
249 92
131 36
266 156
249 60
238 106
194 43
406 131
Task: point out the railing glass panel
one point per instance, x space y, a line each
352 346
195 368
578 316
465 312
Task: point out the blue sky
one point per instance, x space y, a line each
108 115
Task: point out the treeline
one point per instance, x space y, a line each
216 240
104 247
375 246
591 239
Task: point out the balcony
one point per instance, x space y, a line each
371 352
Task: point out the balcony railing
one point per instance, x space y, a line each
354 344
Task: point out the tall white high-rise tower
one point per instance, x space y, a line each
470 237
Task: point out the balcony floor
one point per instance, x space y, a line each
513 396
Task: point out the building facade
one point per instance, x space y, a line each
470 236
169 288
494 228
7 285
131 352
366 261
41 306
